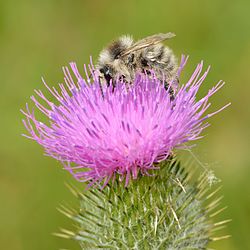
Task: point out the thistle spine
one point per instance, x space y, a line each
163 211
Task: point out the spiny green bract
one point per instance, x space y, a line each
162 211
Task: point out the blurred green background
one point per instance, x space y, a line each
37 38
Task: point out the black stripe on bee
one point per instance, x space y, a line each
115 49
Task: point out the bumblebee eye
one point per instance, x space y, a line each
104 70
107 74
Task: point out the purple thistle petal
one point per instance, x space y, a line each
99 134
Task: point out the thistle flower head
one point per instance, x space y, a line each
98 133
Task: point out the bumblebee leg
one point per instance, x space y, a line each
100 85
170 90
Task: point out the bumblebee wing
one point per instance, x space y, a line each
148 41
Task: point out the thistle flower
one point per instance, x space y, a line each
99 133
